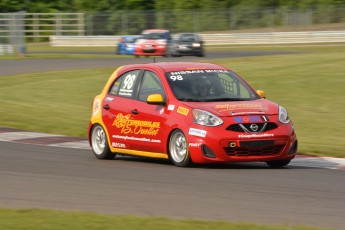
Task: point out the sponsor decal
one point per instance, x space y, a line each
109 99
118 145
136 138
138 127
182 110
185 72
178 75
254 135
216 71
242 106
197 132
128 84
247 112
126 92
248 119
96 106
171 107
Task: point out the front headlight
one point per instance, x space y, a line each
205 118
196 44
283 115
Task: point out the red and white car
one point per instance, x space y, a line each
189 113
152 42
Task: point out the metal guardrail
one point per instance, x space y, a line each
217 39
6 49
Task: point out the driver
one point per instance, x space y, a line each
201 87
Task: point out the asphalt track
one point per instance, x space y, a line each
69 177
8 67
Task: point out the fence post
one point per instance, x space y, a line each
36 22
81 23
232 18
57 24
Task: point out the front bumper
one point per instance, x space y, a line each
227 146
153 51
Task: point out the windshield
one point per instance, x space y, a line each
186 38
131 39
209 85
154 35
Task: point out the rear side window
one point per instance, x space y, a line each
124 86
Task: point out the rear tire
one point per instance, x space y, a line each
278 163
99 143
178 149
201 54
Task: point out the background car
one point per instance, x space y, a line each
153 42
187 44
188 112
126 44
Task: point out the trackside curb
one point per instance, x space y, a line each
55 140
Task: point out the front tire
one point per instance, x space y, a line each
99 143
278 163
178 149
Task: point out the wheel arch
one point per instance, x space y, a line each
92 125
188 161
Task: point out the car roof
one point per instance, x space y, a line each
187 34
179 66
155 30
130 36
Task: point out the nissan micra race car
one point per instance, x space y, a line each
189 113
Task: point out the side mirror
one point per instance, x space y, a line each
155 99
261 93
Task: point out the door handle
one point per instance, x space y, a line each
106 106
135 111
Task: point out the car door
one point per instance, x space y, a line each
148 125
117 109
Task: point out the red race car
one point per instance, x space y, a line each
152 42
189 113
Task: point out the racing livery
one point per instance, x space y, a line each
153 42
126 44
189 113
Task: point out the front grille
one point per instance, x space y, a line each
256 151
254 144
149 51
262 127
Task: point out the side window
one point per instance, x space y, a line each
124 85
150 85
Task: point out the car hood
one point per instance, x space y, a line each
149 41
235 108
185 43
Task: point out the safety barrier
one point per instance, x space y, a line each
6 49
217 39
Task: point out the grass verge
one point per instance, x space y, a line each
32 219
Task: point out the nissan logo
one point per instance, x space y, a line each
254 127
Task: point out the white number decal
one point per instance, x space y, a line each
129 82
176 77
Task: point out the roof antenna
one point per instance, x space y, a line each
154 59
